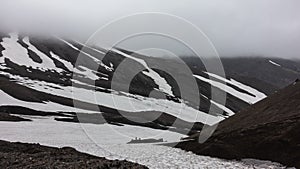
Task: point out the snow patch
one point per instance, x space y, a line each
86 54
258 95
67 64
160 81
222 107
243 96
19 55
274 63
111 144
46 61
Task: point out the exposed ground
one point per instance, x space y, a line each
8 117
268 130
25 156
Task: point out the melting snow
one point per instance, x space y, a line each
67 64
243 96
259 95
46 61
129 102
111 144
224 108
86 54
160 81
111 138
19 55
88 73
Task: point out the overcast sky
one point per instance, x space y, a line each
236 27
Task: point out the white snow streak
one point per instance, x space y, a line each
259 95
223 107
160 81
243 96
90 56
67 64
96 50
87 73
274 63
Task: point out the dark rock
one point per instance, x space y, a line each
8 117
25 156
268 130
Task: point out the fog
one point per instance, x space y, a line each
236 27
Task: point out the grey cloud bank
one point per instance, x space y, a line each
236 27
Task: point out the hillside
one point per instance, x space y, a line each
60 92
267 130
46 76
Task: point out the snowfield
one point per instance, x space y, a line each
111 144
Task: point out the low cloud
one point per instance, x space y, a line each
236 28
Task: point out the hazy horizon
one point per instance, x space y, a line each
268 28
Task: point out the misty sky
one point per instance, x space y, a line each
236 27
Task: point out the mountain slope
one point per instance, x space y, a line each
265 74
267 130
43 76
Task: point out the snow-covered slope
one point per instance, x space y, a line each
45 70
42 77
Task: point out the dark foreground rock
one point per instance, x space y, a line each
8 117
268 130
21 155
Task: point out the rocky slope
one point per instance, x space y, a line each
21 155
267 130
